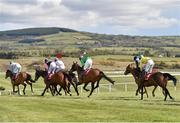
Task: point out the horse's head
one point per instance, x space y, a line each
8 74
39 73
74 67
129 69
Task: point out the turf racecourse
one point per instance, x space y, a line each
115 106
102 107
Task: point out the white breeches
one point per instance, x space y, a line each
88 64
52 68
149 66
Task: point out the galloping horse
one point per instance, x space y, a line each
94 75
156 79
22 77
59 78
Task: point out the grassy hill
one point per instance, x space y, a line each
35 31
43 41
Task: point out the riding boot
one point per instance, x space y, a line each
82 76
49 76
143 75
14 77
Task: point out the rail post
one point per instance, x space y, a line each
110 87
125 86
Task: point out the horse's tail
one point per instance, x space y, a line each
170 77
2 88
30 78
107 78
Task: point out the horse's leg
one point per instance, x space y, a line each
18 90
13 86
97 85
45 90
68 91
52 90
65 91
60 90
85 87
92 89
165 90
146 92
154 91
142 93
169 94
75 88
138 90
29 83
24 89
69 84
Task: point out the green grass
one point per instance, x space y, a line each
104 106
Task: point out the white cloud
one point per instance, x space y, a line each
85 14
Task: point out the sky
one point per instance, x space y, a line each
128 17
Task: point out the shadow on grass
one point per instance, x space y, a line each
119 98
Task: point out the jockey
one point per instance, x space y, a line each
15 68
137 60
59 65
47 63
146 64
51 69
86 62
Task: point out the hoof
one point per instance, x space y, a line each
172 98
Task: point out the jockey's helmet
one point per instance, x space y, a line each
82 53
55 59
10 62
45 60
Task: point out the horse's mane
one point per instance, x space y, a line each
136 70
81 68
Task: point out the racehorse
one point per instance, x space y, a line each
59 78
156 79
93 76
21 78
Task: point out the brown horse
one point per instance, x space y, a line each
22 77
93 76
60 78
156 79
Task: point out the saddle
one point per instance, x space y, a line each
86 72
15 76
147 76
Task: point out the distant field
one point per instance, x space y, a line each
103 62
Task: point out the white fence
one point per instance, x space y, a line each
112 74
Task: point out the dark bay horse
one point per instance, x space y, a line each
156 79
93 76
59 78
22 78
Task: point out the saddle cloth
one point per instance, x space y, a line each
147 76
86 71
15 76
